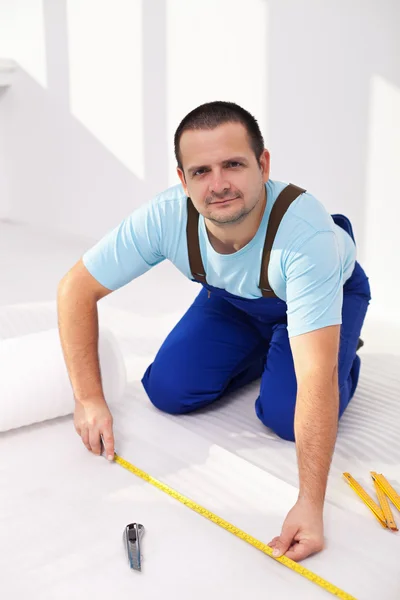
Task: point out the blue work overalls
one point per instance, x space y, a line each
224 341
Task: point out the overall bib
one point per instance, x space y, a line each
224 342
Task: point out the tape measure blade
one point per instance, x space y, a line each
294 566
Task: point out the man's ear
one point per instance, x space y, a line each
265 161
181 176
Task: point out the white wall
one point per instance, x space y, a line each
88 124
5 191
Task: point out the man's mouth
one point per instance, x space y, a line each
225 200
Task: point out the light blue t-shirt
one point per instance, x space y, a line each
310 261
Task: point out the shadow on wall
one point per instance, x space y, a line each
323 57
319 82
61 176
72 181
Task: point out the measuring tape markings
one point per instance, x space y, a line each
384 490
366 498
383 501
326 585
387 488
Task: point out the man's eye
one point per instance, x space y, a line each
233 163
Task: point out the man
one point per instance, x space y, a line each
282 298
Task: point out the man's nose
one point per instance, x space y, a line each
219 184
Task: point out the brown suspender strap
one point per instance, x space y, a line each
282 203
192 233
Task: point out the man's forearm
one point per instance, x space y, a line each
79 330
316 423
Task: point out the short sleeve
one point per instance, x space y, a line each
314 284
127 251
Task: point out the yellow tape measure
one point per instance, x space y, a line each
329 587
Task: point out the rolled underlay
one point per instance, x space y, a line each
34 381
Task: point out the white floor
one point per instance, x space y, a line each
63 511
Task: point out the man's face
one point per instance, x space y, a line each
221 173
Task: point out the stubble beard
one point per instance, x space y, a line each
235 218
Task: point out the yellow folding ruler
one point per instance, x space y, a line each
384 490
294 566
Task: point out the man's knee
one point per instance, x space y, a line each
283 427
163 392
174 394
277 414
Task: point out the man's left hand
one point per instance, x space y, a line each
302 532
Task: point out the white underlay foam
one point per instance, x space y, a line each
77 505
34 381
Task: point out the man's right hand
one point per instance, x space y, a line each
93 419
